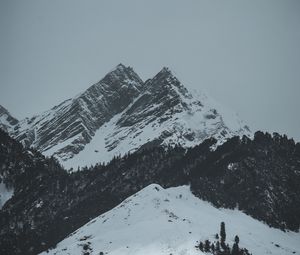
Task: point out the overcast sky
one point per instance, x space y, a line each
245 54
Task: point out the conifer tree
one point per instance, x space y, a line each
207 246
217 246
235 249
201 246
223 233
212 248
236 239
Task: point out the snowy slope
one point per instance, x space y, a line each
171 221
164 113
5 193
120 114
65 129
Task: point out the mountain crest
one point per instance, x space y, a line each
122 74
120 66
166 70
166 82
121 113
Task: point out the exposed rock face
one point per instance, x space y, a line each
7 121
121 113
166 106
72 124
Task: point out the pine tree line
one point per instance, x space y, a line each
220 247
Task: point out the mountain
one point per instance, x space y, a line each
122 114
145 132
164 113
7 121
171 221
65 129
258 176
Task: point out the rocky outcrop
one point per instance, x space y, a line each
7 121
121 113
65 129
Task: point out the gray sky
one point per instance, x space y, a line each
245 54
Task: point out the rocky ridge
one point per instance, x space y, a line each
121 113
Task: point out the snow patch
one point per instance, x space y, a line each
171 221
5 194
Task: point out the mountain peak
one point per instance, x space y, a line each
122 73
120 67
78 119
121 113
165 75
166 81
166 71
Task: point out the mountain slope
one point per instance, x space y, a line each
20 167
171 221
164 113
260 177
65 129
120 114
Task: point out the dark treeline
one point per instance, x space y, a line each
259 176
218 246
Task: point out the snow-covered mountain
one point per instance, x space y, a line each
65 129
259 176
120 114
172 221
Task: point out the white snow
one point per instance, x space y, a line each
39 203
5 194
196 118
192 120
61 145
157 221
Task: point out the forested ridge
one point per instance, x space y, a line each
260 176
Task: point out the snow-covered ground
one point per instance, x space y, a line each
86 129
5 194
197 121
161 221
